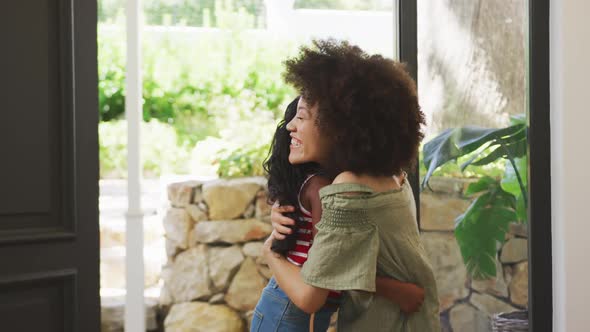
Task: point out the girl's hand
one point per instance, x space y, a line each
413 297
280 222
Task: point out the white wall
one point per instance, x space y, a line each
570 136
376 36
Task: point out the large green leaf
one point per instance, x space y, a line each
509 180
506 151
483 225
457 142
483 184
511 185
513 146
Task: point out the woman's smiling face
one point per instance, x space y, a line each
307 143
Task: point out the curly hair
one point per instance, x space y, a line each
285 179
367 106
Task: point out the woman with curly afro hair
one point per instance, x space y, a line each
358 118
298 184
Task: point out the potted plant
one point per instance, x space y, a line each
496 201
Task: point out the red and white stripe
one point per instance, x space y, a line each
298 255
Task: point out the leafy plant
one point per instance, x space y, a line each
189 88
496 201
228 98
160 152
181 12
244 161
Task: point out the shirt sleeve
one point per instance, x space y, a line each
344 251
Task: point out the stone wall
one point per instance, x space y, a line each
466 304
215 274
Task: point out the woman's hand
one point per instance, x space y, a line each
280 222
267 244
266 247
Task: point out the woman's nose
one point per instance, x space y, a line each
290 126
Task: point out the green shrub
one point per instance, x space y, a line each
112 138
111 76
244 161
202 88
241 146
239 150
160 153
185 86
182 12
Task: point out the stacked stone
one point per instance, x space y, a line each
215 273
467 304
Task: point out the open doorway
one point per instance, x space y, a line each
212 95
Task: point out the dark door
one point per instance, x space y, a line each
49 247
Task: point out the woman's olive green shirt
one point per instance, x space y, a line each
361 236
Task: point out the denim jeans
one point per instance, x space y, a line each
275 312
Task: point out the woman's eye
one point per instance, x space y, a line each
299 118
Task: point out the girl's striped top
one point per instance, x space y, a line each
298 255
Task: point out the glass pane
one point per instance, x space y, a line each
472 84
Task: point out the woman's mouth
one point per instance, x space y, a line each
295 142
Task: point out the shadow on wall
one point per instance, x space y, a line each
471 61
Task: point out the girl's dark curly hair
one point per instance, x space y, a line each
367 106
285 179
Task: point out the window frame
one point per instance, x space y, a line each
540 306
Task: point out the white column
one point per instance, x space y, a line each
134 276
